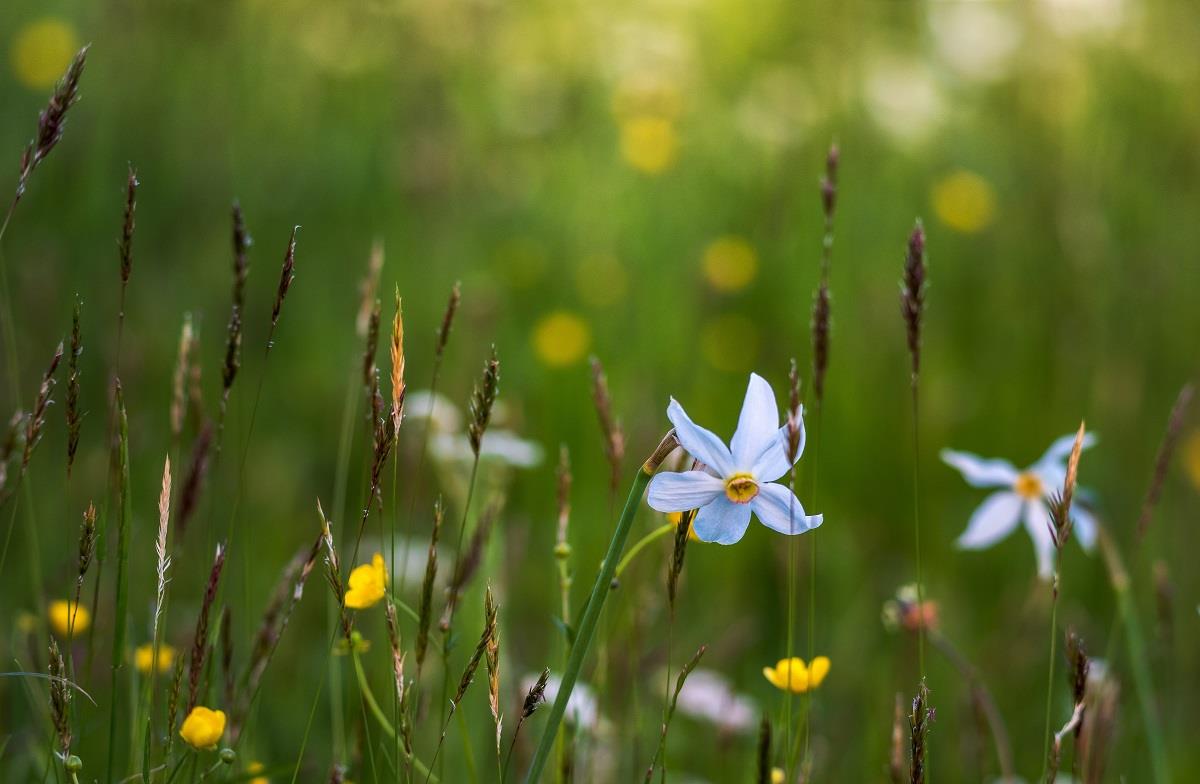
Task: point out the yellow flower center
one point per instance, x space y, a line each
1028 486
741 488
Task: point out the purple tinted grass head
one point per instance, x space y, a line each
912 294
51 122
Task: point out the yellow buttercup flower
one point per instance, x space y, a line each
257 767
561 339
60 617
964 201
649 144
730 263
42 51
143 658
368 583
778 776
794 676
675 517
203 727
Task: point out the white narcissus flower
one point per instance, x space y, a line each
738 479
1025 497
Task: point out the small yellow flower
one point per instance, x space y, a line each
730 342
778 776
60 617
730 263
674 518
257 767
368 583
649 144
561 339
41 52
792 674
143 658
203 727
964 201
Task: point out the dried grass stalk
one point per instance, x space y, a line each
918 722
443 335
200 640
482 401
912 294
425 615
610 426
74 415
1162 460
41 404
179 379
51 122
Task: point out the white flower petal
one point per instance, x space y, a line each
1060 450
980 472
993 520
773 463
1037 523
722 521
679 492
1085 526
757 424
780 510
700 443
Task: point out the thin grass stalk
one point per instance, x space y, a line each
673 701
912 307
591 614
533 700
122 588
126 252
1162 460
163 563
1138 660
468 675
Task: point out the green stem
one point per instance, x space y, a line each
639 545
381 718
126 512
1050 675
587 624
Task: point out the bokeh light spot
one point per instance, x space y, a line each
561 339
41 52
730 263
649 144
964 201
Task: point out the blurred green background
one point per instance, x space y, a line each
639 181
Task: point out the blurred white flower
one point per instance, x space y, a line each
424 404
502 445
707 696
777 108
1025 497
1084 18
903 98
977 40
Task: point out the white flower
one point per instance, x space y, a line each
443 416
738 479
706 695
1025 497
501 445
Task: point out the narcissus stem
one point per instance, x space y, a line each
591 613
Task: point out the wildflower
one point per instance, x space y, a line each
778 776
41 52
794 676
561 339
964 201
738 479
442 414
203 727
1026 496
60 613
649 144
368 583
675 517
906 611
708 696
143 658
730 264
